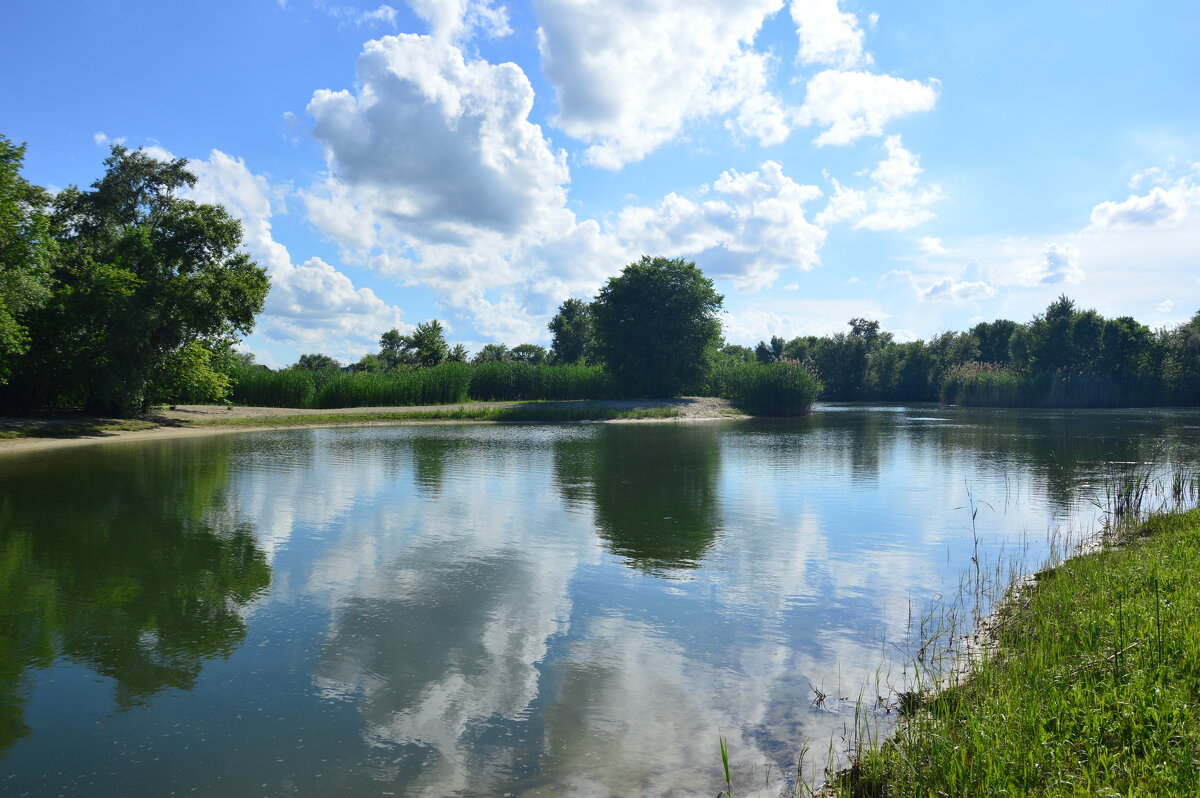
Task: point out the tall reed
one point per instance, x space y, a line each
765 389
506 381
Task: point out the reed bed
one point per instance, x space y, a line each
444 384
765 389
777 389
502 382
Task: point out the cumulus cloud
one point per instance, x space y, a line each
753 227
1017 263
1060 264
932 246
310 306
896 201
947 289
1163 206
628 75
433 147
828 35
857 104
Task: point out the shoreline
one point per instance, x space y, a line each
187 421
1013 653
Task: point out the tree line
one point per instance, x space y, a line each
1065 357
121 295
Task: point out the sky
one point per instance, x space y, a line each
927 164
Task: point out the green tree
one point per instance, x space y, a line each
139 274
26 252
367 363
428 343
393 349
457 354
769 353
316 362
657 325
528 353
993 339
573 332
492 353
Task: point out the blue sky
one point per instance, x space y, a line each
927 164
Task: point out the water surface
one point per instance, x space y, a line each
485 610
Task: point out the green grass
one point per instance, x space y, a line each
1093 687
547 412
55 430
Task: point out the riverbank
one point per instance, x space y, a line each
1090 686
28 434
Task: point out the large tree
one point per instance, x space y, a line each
26 251
657 326
139 274
572 331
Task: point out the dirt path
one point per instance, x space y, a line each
199 420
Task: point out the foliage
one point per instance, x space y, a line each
26 253
656 326
769 353
444 384
573 331
317 362
503 381
528 353
1091 690
193 376
426 346
765 389
138 275
492 353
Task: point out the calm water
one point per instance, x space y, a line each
501 610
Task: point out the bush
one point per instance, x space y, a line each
765 389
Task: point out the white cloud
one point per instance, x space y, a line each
932 246
629 75
103 140
947 290
828 35
1060 264
1167 204
753 227
454 19
351 15
433 148
857 104
894 202
313 306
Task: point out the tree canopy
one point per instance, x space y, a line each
137 276
656 326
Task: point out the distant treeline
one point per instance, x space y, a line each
1064 357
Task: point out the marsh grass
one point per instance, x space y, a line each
1085 679
765 389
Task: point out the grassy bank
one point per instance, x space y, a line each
547 412
1092 686
58 429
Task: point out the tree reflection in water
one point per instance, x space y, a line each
653 489
120 560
